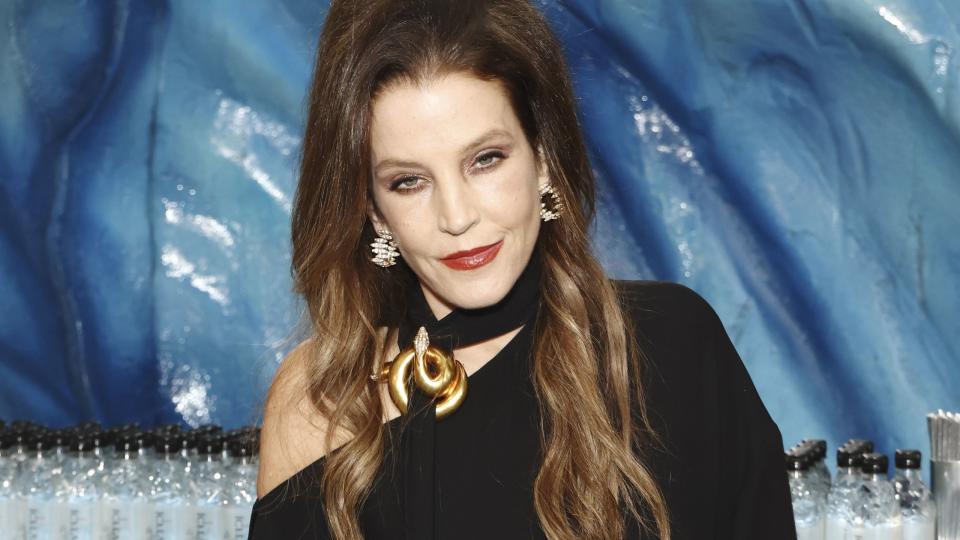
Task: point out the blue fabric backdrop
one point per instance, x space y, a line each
794 161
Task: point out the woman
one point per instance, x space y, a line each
444 133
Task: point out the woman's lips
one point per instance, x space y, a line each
472 258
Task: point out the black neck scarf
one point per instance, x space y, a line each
459 328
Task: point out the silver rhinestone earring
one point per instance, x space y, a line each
385 250
555 201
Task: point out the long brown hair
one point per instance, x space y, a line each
587 364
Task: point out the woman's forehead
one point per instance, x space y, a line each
450 112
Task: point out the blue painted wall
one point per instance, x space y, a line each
794 161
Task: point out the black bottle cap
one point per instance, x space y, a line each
244 442
88 426
210 444
19 435
25 425
874 463
849 457
168 443
239 448
115 434
40 440
128 442
816 449
98 439
168 428
255 440
907 459
147 438
209 428
197 435
862 445
81 443
187 442
797 461
819 448
58 437
110 437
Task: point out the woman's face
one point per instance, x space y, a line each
452 173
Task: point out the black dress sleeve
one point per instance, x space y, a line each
720 465
753 446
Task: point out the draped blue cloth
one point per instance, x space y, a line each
794 161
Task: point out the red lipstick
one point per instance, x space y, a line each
472 258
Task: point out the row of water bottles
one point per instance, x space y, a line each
88 483
860 502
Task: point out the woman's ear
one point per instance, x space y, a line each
375 218
543 172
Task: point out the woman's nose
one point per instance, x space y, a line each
456 206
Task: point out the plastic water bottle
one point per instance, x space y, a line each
211 497
807 505
845 491
60 483
22 437
10 502
819 469
125 510
917 509
22 434
862 444
879 509
113 436
171 492
83 484
36 489
241 485
816 452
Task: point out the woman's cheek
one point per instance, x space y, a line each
512 197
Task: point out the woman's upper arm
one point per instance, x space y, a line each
292 429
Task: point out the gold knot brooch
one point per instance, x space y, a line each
435 372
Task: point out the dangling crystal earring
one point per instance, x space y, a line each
545 213
385 250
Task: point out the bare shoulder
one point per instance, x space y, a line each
293 430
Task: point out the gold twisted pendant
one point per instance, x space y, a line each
435 372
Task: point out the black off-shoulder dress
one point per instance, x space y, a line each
722 471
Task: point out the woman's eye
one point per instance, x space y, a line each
414 183
408 183
487 160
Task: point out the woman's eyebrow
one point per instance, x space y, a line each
483 139
468 148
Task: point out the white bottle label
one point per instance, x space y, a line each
209 523
44 519
810 531
855 532
835 528
237 522
174 521
114 522
918 529
81 520
164 519
141 522
883 532
14 517
125 520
